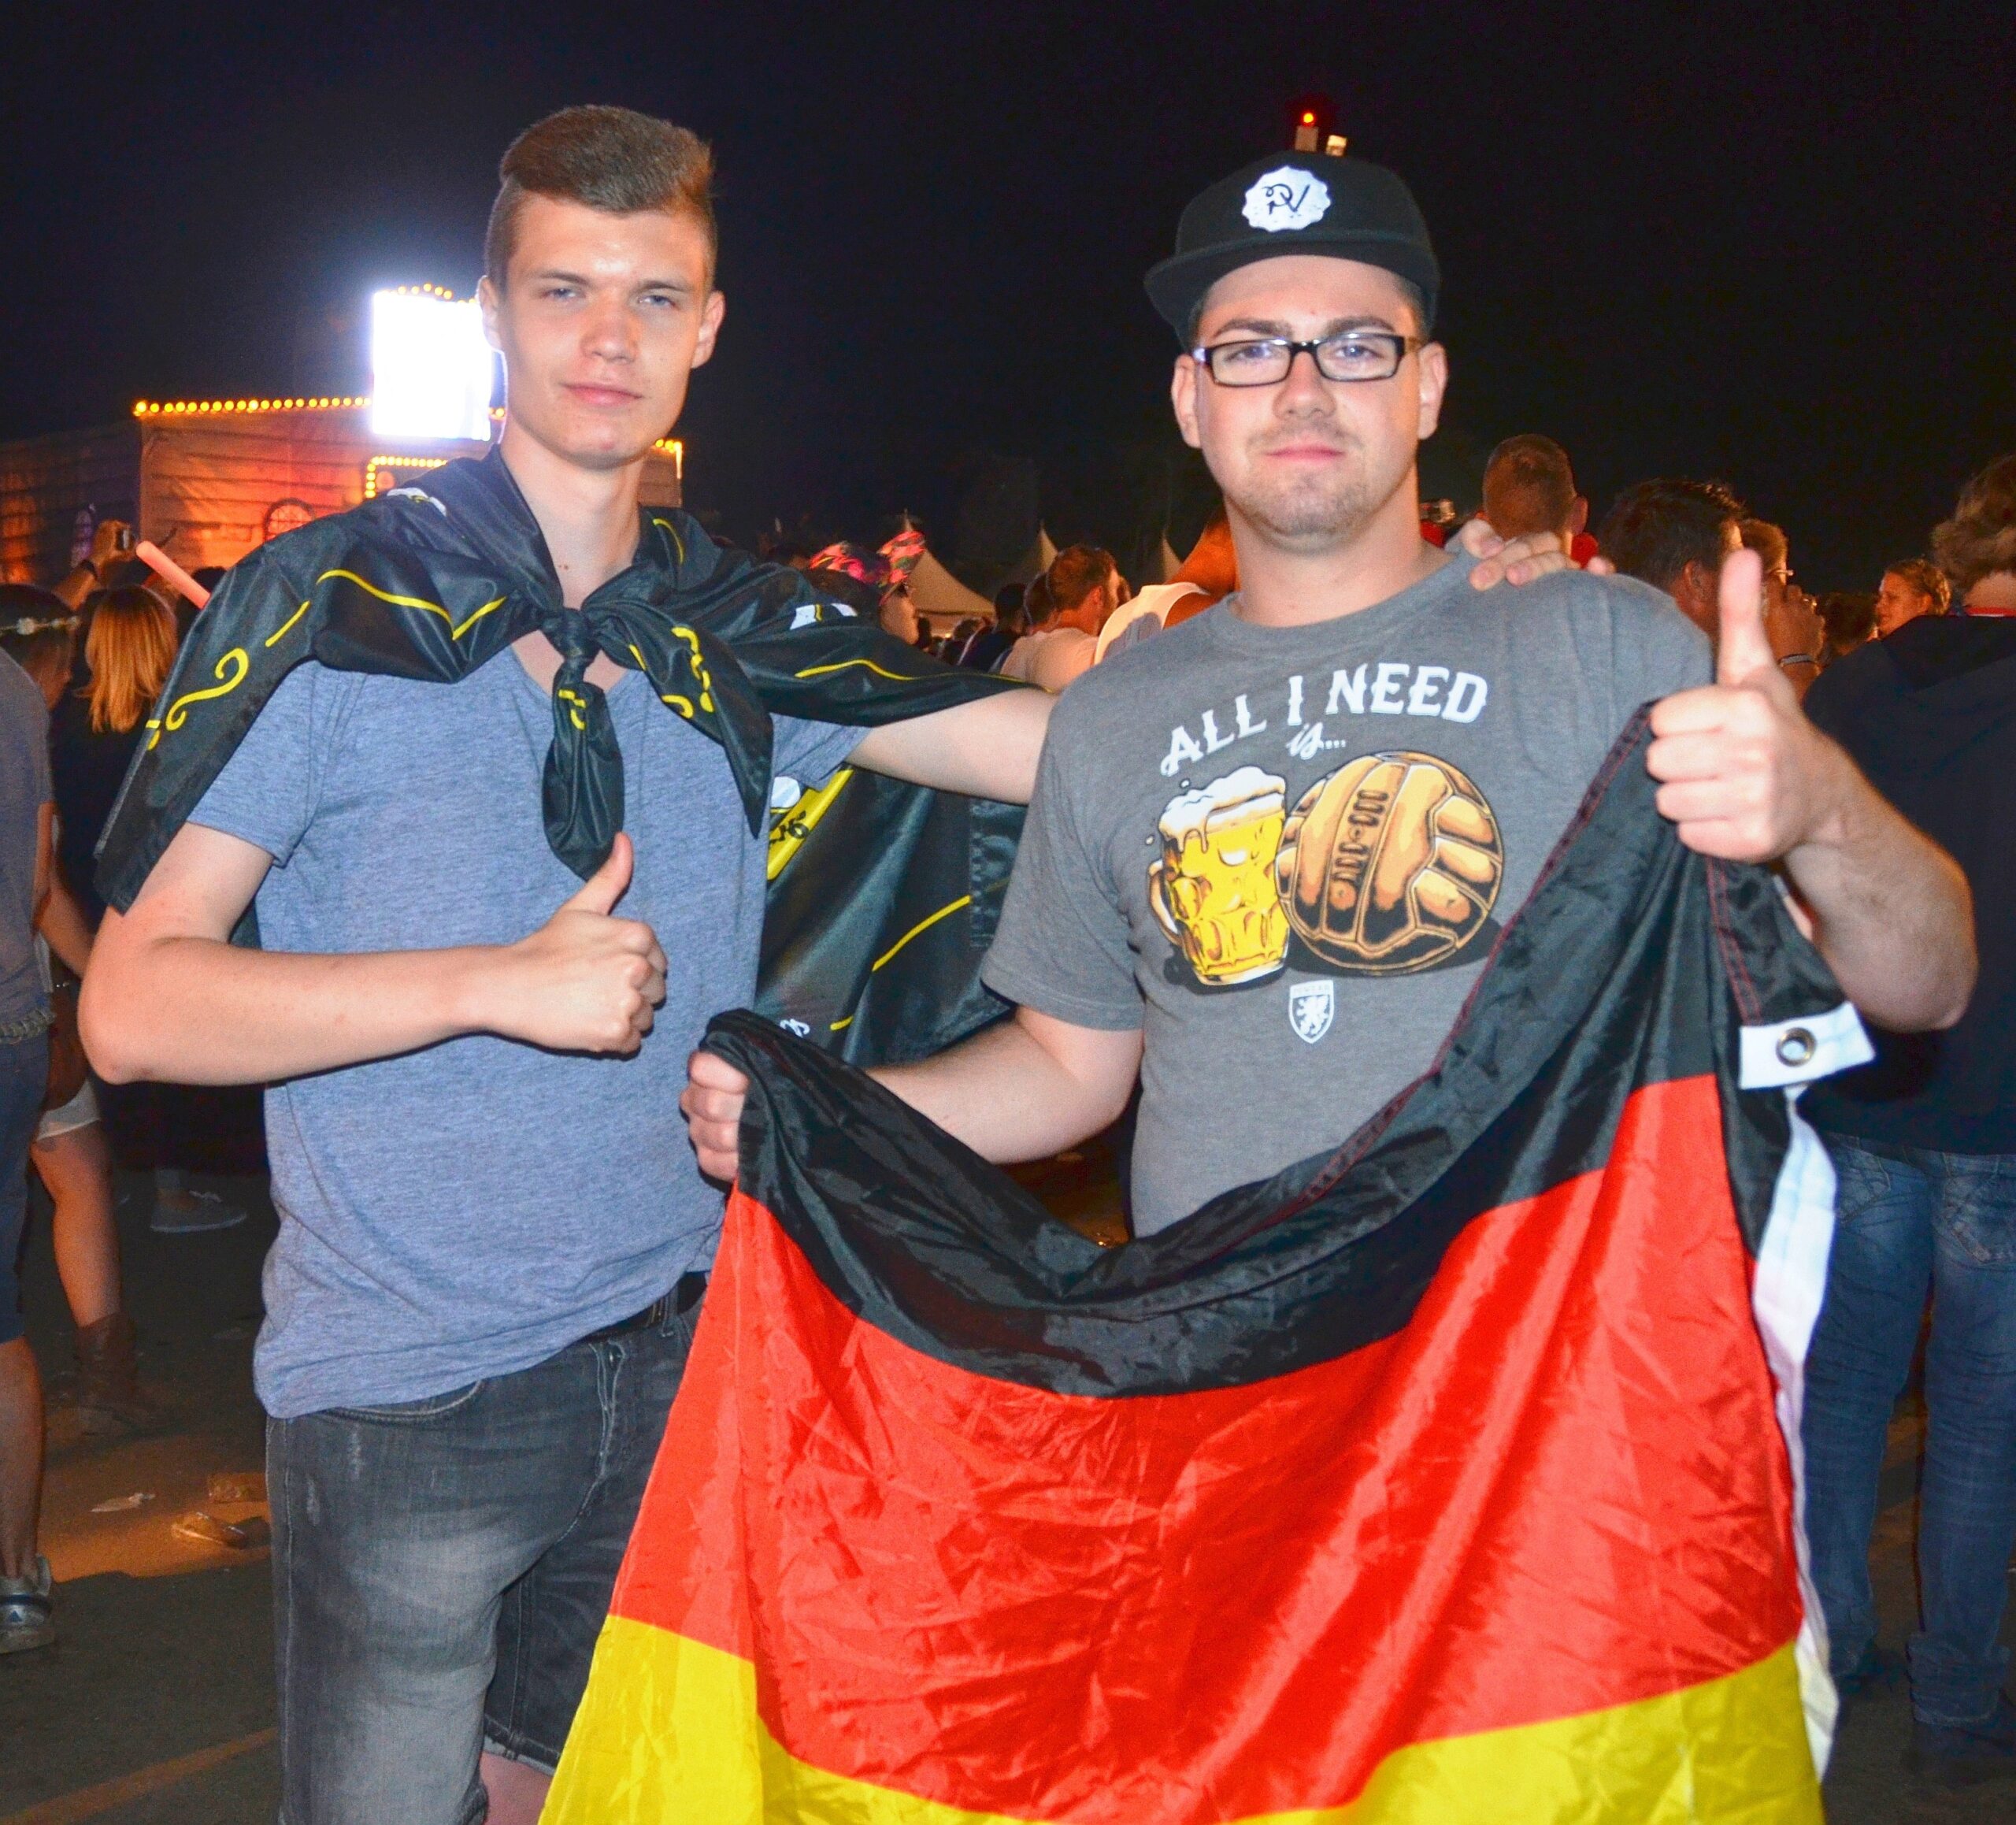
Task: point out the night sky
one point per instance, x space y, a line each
1773 244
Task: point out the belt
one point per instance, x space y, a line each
682 1299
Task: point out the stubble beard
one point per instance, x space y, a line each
1328 509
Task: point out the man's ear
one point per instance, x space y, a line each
1578 517
711 313
1183 396
488 302
1434 365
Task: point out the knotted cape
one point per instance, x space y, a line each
433 582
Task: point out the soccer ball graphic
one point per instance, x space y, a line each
1390 864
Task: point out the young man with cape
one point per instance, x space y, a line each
475 905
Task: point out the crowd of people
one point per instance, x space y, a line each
1672 533
445 1275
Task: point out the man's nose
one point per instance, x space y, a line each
1303 389
609 333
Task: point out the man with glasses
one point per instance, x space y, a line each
1269 851
1792 617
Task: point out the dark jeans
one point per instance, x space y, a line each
1911 1222
24 1075
441 1570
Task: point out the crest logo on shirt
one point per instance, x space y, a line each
1286 197
1312 1006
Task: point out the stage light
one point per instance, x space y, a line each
430 369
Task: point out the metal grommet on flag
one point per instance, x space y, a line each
1795 1046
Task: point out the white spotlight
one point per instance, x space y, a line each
430 369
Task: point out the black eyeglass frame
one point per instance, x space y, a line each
1401 346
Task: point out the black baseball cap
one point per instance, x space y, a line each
1295 202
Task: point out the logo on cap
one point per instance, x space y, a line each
1287 197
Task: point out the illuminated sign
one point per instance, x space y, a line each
430 369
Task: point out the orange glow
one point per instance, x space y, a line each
187 408
395 463
1308 119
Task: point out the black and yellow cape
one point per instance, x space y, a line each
882 895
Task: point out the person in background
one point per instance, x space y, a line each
128 653
882 582
70 1154
1847 620
991 645
963 635
1912 588
1923 1144
1208 574
1529 487
28 813
1674 535
112 548
1081 587
1792 622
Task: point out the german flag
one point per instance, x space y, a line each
1443 1477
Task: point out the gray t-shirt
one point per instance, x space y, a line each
25 789
1284 853
467 1209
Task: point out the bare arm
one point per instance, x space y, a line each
1747 777
1891 910
1023 1090
168 997
61 922
987 749
45 856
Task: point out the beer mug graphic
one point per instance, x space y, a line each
1213 888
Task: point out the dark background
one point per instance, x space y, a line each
1771 244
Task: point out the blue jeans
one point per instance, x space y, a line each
441 1571
1913 1221
23 1074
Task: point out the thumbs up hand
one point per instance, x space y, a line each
585 981
1743 773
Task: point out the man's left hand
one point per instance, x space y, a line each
1744 774
1522 560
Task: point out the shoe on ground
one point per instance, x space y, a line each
28 1611
188 1213
1878 1674
1964 1755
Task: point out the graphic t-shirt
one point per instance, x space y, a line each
1285 853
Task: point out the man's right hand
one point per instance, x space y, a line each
585 981
712 1105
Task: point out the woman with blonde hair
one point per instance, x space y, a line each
69 1153
129 651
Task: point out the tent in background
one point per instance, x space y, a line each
942 598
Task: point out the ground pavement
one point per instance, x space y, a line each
155 1708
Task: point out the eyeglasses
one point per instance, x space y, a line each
1358 355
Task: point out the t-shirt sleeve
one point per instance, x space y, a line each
1657 650
811 752
266 793
1062 947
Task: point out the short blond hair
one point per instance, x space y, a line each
614 159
